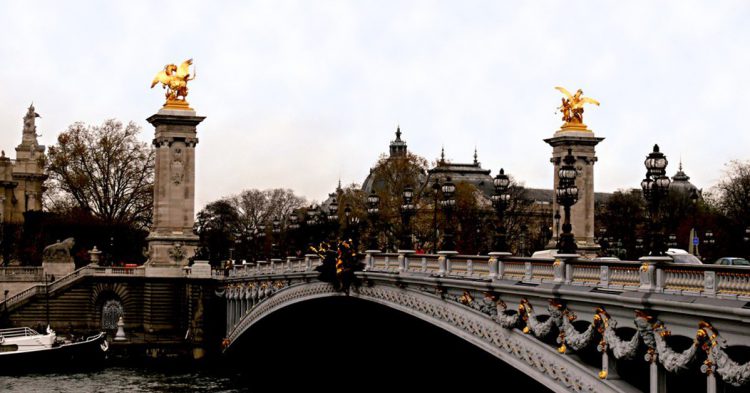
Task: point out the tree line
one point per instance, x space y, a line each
100 191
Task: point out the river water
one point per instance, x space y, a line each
337 344
123 379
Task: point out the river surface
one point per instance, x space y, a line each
121 379
327 345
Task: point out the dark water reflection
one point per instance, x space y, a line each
324 345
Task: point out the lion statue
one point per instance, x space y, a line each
59 250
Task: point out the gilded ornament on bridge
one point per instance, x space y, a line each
174 79
572 108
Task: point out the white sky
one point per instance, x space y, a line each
298 94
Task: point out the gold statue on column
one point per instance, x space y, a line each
572 106
174 79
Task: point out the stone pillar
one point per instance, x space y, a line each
172 241
582 141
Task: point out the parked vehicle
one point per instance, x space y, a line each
732 261
683 257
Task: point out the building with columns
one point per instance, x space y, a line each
22 178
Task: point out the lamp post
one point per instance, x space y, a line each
746 240
373 204
567 196
333 217
500 200
312 222
693 246
557 218
262 241
655 188
709 241
293 227
436 186
276 231
407 210
603 242
672 241
448 202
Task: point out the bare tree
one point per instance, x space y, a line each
255 206
104 170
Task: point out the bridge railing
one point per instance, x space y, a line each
643 275
271 267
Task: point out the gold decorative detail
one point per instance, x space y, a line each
466 298
572 108
562 347
556 263
644 267
603 374
174 79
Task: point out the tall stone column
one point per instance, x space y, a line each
172 241
582 141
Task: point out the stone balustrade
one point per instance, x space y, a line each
704 280
21 273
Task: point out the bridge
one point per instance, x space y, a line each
648 322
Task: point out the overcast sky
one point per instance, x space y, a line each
300 94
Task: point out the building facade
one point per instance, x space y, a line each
22 178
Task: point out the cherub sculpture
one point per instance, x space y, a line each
175 80
572 105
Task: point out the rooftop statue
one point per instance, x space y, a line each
572 105
174 79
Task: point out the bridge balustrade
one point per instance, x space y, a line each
703 280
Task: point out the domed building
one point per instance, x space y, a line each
681 183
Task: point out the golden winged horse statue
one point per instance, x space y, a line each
174 79
572 105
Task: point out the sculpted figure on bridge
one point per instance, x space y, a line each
572 105
174 79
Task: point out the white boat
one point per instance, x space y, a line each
23 347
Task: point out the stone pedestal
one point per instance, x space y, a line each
172 241
58 268
582 142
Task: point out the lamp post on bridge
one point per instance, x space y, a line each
693 246
655 188
262 241
333 218
312 223
293 227
500 200
567 196
276 231
373 209
436 186
407 210
448 203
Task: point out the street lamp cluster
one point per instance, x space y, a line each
567 195
500 200
655 189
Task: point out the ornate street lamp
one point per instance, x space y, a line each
557 218
293 226
655 189
693 232
709 241
407 210
448 202
276 231
373 204
436 186
672 240
262 240
312 222
567 196
333 216
500 200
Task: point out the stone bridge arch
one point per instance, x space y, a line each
247 305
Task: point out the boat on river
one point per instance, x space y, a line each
24 349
